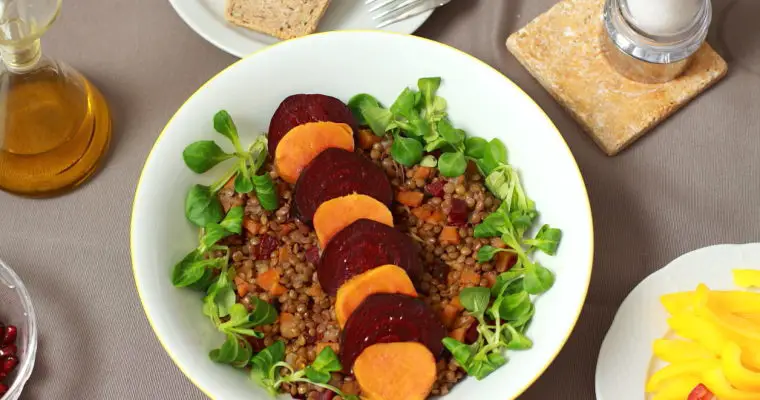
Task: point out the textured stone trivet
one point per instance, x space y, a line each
562 50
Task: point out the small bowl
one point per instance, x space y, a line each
16 309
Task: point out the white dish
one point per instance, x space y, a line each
206 18
481 101
625 360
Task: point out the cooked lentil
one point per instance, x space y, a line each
313 325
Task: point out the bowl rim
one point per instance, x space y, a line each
26 364
519 90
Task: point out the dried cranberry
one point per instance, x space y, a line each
435 153
9 350
458 214
471 336
9 335
326 395
3 389
435 188
312 255
8 364
267 246
256 344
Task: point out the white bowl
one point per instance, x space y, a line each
481 101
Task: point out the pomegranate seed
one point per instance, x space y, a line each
9 364
10 335
3 389
458 214
435 188
9 350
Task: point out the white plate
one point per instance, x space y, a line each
625 360
481 101
206 18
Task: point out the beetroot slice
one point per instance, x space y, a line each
335 173
299 109
389 318
363 245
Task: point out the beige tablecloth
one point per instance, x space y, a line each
694 181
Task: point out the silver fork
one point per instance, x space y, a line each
387 12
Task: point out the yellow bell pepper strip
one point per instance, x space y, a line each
674 351
735 326
698 329
738 302
718 384
714 338
754 318
678 302
751 357
747 278
677 388
677 370
736 373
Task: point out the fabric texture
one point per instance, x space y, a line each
691 182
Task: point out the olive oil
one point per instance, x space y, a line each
55 129
55 126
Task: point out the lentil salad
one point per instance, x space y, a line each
456 197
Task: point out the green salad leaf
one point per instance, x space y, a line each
233 221
187 271
429 161
202 207
219 304
417 121
452 164
266 192
203 155
547 240
266 366
406 151
487 252
475 147
197 264
224 124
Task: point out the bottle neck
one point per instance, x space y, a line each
21 58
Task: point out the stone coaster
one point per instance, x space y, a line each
563 50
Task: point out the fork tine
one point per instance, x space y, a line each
397 10
409 14
391 4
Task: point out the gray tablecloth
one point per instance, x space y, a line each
694 181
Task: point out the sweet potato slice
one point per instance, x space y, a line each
304 143
384 279
364 245
395 371
335 214
299 109
337 172
388 318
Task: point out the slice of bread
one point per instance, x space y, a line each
283 19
